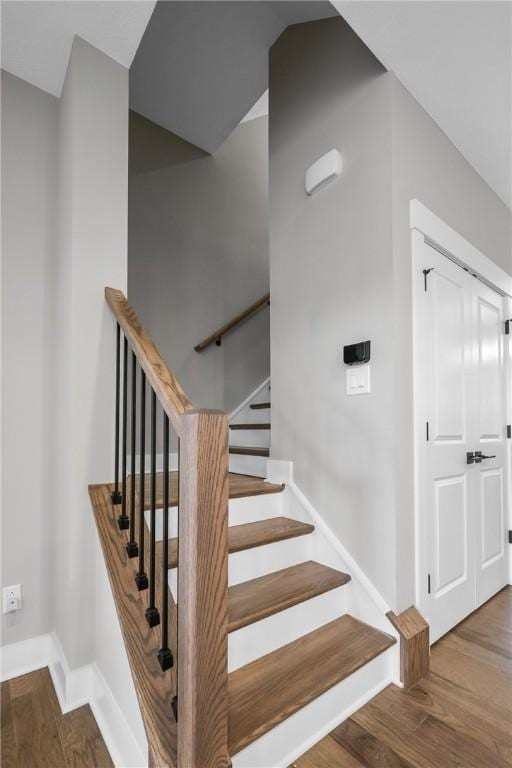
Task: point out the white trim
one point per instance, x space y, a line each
508 406
282 472
25 656
120 741
75 687
445 239
332 724
249 399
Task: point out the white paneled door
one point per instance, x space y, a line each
460 347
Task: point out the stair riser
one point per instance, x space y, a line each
265 636
252 563
248 509
248 465
284 744
258 437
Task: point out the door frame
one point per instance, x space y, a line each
428 228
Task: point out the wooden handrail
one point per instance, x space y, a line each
169 391
217 336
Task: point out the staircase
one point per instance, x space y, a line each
249 434
268 642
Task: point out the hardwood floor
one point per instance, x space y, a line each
458 716
35 733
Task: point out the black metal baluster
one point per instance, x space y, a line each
116 496
141 578
174 702
152 614
123 520
131 546
164 654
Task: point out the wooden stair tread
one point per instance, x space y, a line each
245 450
256 406
250 426
258 598
240 486
251 535
267 691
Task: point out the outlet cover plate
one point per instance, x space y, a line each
11 598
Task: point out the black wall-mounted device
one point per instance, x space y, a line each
356 354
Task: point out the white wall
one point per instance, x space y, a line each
332 284
198 255
29 190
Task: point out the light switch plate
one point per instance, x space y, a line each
358 380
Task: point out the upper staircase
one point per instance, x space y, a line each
231 626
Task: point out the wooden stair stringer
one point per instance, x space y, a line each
153 687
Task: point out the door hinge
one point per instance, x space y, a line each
425 275
427 430
428 583
509 430
507 327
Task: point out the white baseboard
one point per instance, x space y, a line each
344 715
74 688
26 656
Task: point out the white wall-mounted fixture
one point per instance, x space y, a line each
11 598
323 171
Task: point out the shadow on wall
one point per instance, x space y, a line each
198 255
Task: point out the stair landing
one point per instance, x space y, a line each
239 487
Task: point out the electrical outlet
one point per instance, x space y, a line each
11 598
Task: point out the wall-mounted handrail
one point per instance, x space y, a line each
217 336
169 391
193 649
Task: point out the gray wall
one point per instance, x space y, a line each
198 255
340 265
427 166
332 284
93 197
29 190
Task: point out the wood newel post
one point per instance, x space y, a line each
203 591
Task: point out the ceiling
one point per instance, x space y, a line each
37 36
202 65
456 60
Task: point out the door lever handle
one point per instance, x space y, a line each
476 457
479 456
